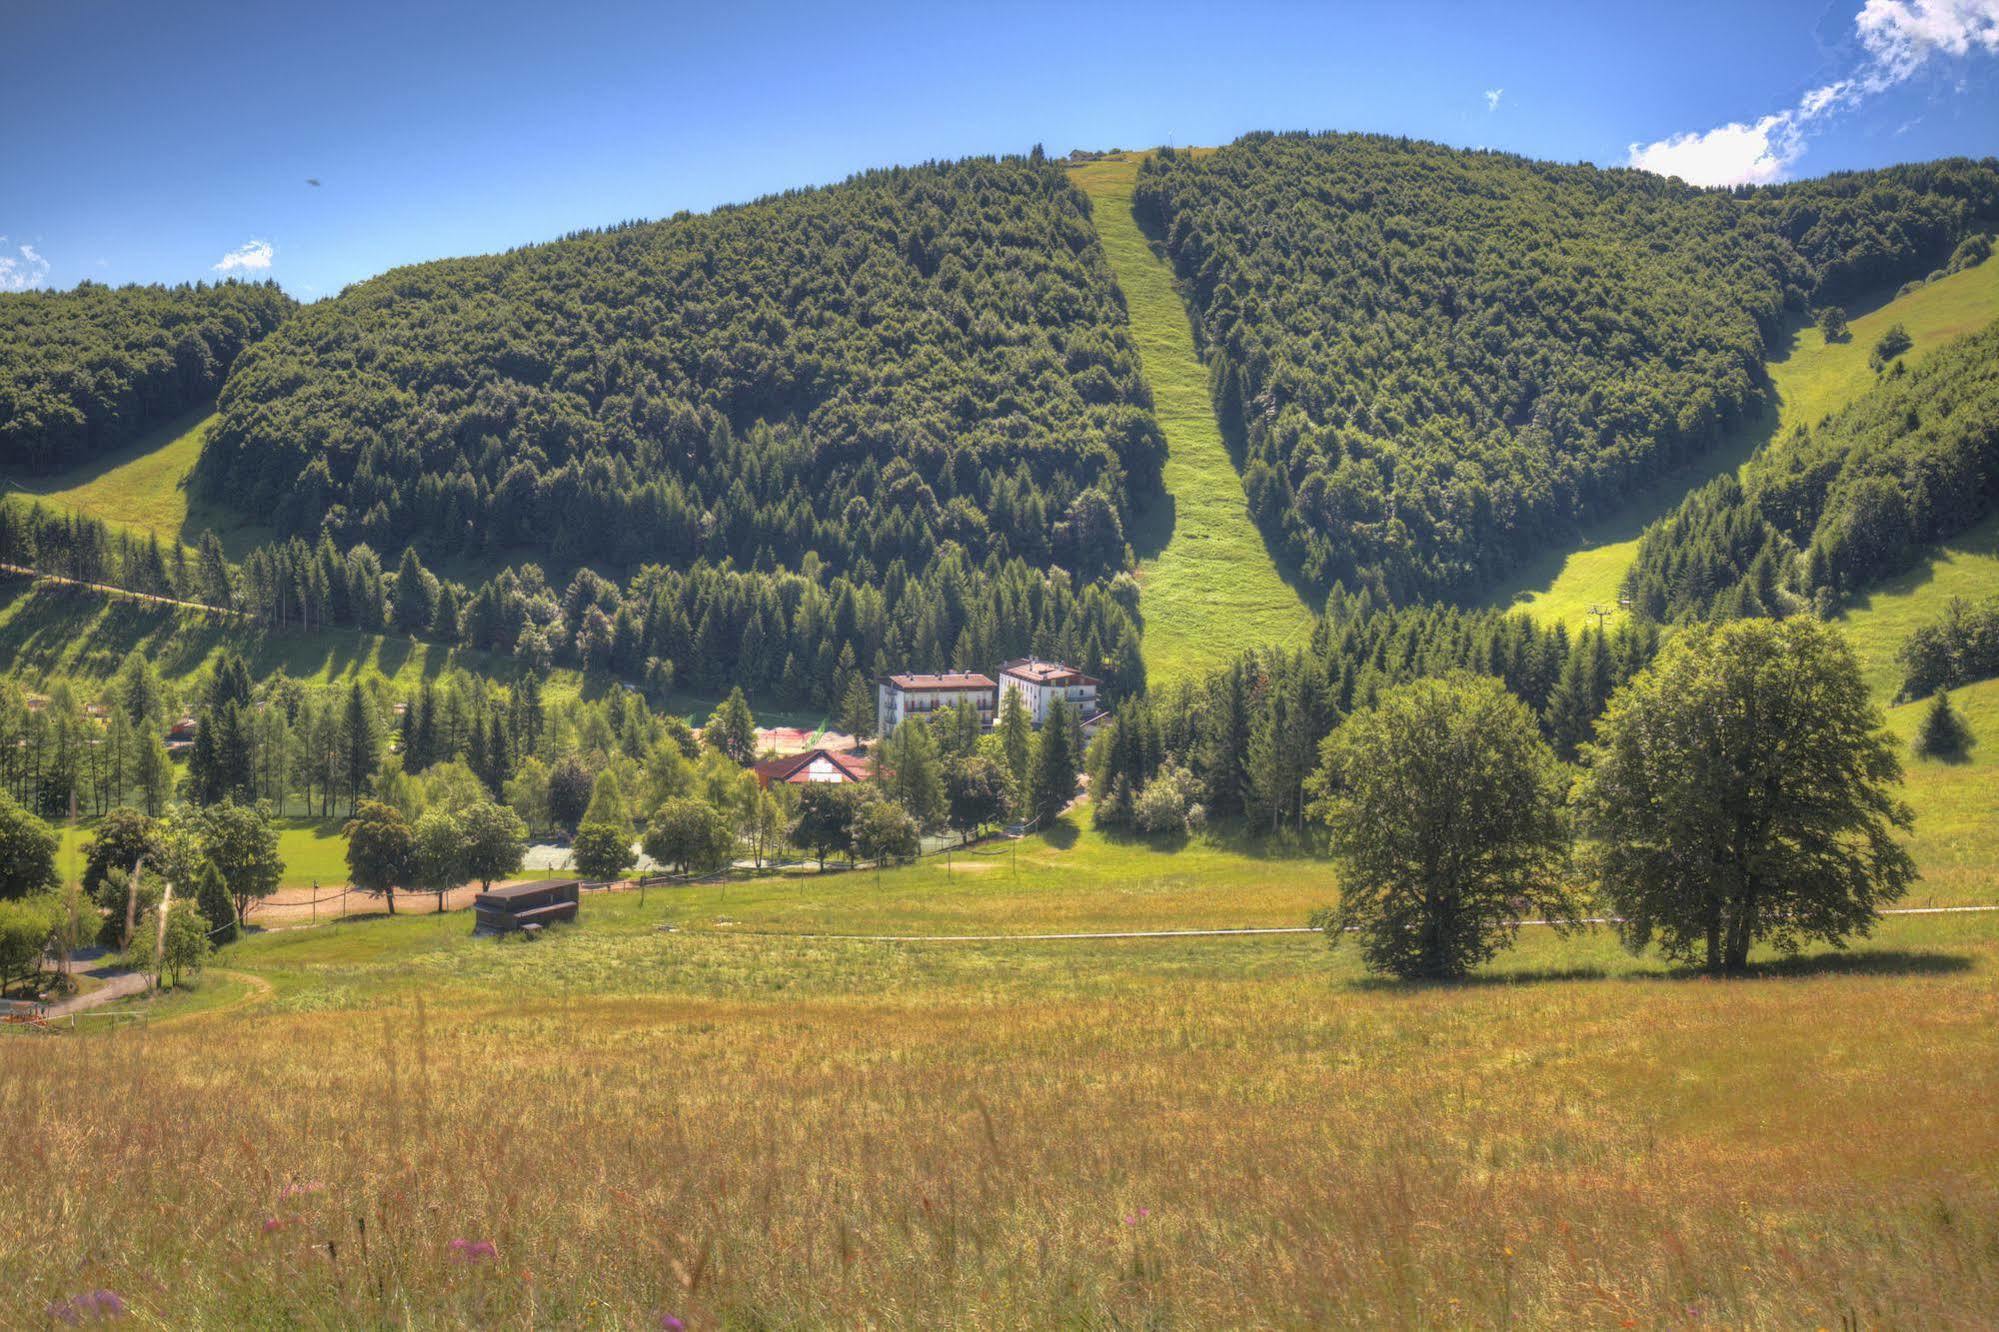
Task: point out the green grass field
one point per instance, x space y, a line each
1211 589
142 488
313 850
1811 379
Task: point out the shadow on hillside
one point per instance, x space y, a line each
1152 525
1981 539
75 475
1655 500
1060 834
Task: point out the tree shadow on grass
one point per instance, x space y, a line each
1872 962
1060 834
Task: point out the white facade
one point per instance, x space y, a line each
901 696
1040 683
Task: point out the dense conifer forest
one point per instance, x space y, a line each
865 371
87 370
1437 361
1838 504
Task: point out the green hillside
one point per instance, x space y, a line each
142 487
1210 587
1440 362
1810 378
87 371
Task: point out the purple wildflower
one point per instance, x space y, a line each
92 1304
1138 1216
473 1251
668 1323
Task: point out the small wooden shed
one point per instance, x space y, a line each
500 910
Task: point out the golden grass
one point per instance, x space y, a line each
1222 1134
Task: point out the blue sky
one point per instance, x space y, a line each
152 142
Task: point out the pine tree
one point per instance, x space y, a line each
360 744
1017 745
1944 733
1054 779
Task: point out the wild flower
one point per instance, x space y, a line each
1138 1216
668 1323
473 1251
96 1305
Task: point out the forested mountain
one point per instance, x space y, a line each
86 370
1839 504
865 371
1436 361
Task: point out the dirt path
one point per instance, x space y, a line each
122 985
108 590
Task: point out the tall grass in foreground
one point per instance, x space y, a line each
1073 1142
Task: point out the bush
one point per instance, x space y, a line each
1169 802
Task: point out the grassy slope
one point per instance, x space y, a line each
1211 589
143 487
787 1132
1957 805
1811 379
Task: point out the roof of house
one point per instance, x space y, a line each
1036 671
947 680
791 767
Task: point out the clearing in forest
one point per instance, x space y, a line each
1211 588
142 487
1811 379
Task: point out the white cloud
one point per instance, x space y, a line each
250 254
1732 154
1492 96
23 269
1900 36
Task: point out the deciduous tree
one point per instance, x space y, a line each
1742 791
1444 812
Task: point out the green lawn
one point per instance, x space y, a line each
313 850
1811 379
1211 588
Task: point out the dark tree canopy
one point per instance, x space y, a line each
84 371
1436 361
1742 791
1444 810
863 370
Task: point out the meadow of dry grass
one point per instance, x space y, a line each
767 1132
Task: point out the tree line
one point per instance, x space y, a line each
803 636
1434 362
86 370
1242 743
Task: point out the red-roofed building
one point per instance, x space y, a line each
901 696
814 765
1040 683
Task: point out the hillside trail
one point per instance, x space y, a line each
1210 586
